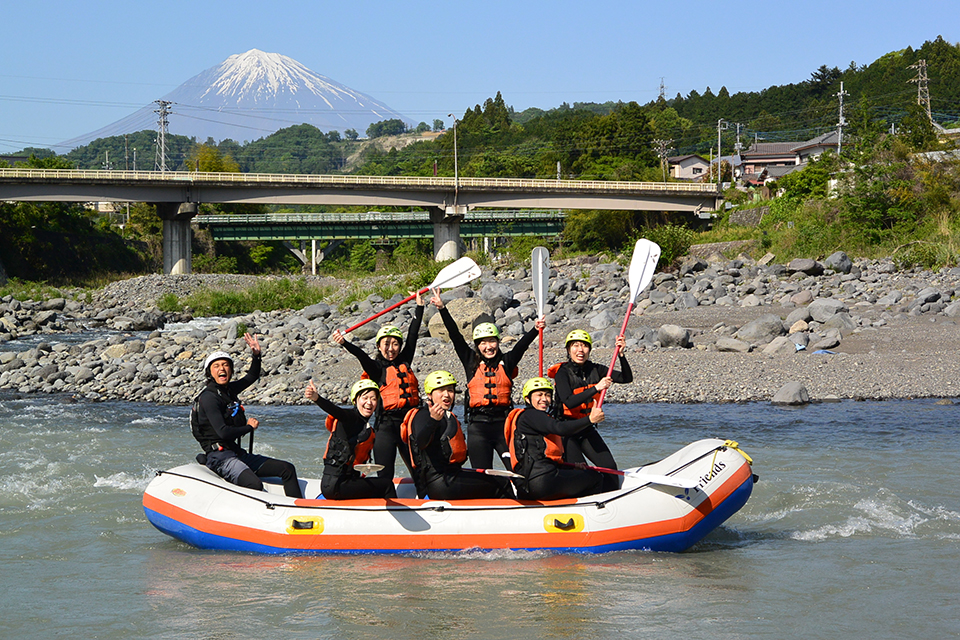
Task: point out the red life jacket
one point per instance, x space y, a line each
491 387
526 449
455 448
338 451
399 388
581 410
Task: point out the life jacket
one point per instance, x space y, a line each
525 449
453 448
399 388
581 410
491 387
203 431
338 452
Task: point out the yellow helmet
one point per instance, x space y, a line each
438 379
360 386
485 330
536 384
578 335
391 331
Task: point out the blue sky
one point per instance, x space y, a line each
72 67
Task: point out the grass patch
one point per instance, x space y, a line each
269 295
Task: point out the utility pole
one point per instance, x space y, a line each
721 127
923 92
737 148
661 146
163 110
841 94
126 153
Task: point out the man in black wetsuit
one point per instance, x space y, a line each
218 422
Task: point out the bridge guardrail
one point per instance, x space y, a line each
349 180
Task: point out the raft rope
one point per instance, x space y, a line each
600 504
729 444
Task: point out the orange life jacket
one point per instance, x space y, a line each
525 448
491 387
454 448
338 451
581 410
399 388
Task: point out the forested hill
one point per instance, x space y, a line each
612 141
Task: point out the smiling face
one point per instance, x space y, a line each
389 347
578 351
444 396
221 371
488 347
541 399
367 402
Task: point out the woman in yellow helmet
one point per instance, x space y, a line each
490 373
399 388
578 381
536 447
350 442
438 448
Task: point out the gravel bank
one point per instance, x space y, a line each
717 331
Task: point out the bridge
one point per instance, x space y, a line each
447 200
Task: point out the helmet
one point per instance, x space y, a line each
485 330
578 335
391 331
213 357
536 384
438 379
360 386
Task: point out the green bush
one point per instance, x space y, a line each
674 241
363 257
268 295
169 303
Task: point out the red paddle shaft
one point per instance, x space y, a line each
387 310
541 352
616 352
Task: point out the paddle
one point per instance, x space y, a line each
368 468
500 473
250 448
540 261
646 254
454 274
652 478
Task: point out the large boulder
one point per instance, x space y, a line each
763 329
467 313
822 309
671 335
792 394
839 262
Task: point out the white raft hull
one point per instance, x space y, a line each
194 505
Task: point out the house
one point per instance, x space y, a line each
761 155
689 167
815 147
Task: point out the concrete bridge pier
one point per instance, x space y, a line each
446 232
177 236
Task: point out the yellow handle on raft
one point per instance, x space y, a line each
731 444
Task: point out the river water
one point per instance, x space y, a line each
853 531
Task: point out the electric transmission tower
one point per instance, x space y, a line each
923 90
662 146
163 110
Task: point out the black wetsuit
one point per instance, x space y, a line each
439 478
388 442
218 422
587 444
485 424
545 479
340 480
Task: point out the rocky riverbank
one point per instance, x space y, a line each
717 331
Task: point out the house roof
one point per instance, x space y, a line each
758 149
679 159
829 139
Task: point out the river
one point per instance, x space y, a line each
853 531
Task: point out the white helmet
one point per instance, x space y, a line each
213 357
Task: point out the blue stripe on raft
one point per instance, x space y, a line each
674 542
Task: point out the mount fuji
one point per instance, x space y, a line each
249 96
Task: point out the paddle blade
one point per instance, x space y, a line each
540 267
646 255
456 274
368 468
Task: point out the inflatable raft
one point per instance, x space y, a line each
652 510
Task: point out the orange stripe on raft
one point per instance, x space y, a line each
393 542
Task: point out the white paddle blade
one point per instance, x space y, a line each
667 481
540 267
456 274
502 473
368 468
646 255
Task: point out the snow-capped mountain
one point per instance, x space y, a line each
251 95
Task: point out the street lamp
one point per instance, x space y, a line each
456 167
